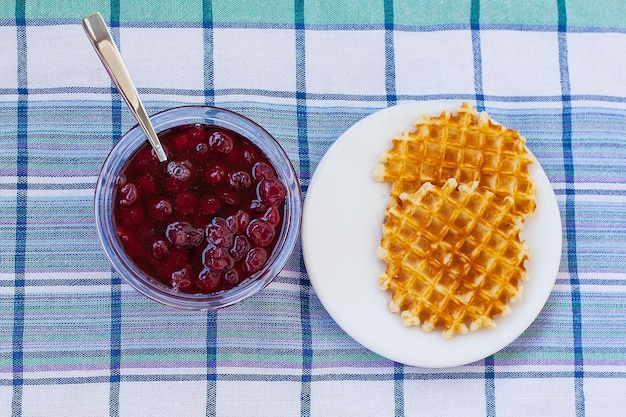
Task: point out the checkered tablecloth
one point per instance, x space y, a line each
75 340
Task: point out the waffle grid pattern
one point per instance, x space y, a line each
453 255
466 146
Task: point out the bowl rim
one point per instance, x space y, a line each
134 138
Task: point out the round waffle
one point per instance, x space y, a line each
454 257
466 146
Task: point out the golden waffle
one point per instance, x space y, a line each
467 146
454 258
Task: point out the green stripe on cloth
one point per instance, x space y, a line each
326 12
607 14
161 11
602 14
427 13
276 11
529 12
76 9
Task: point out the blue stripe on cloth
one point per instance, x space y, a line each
390 68
390 90
303 154
209 69
211 319
398 389
116 297
478 72
490 388
72 282
583 191
399 27
79 282
328 377
301 109
307 342
365 98
570 210
211 363
20 212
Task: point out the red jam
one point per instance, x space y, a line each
207 218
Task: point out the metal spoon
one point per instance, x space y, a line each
101 40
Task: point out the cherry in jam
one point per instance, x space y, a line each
206 219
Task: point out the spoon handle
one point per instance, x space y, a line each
107 51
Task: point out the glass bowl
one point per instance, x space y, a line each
151 287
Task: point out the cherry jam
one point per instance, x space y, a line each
206 219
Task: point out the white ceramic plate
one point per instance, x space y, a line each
341 230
